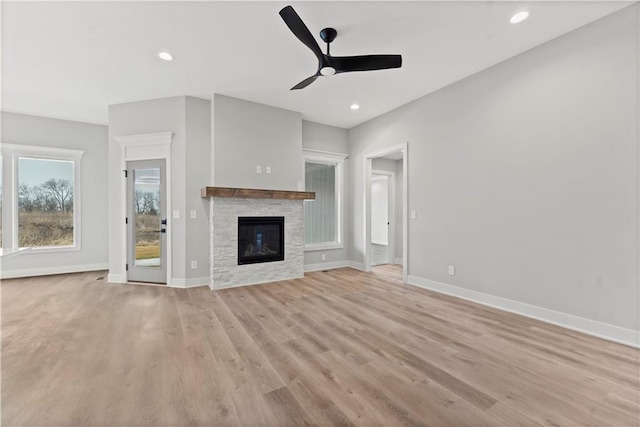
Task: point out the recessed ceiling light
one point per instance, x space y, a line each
519 17
166 56
354 106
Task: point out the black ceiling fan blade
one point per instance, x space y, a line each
300 30
345 64
306 82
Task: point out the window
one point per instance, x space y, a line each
43 203
323 174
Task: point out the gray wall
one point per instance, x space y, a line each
198 175
189 120
45 132
320 137
525 176
247 134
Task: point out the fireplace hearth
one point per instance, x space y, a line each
260 239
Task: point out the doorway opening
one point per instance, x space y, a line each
383 222
385 213
146 221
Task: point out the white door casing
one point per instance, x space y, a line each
144 147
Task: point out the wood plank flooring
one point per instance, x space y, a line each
335 348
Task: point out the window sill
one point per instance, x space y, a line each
6 252
49 249
323 247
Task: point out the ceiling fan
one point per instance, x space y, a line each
329 65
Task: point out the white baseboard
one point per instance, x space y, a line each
397 261
46 271
193 282
356 265
569 321
325 266
115 278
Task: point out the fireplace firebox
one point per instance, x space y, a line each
260 239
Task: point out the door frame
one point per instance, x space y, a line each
144 147
366 217
391 211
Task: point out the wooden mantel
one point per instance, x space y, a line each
252 193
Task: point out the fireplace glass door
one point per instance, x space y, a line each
260 239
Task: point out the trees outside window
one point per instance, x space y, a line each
45 202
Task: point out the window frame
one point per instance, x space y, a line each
337 160
11 153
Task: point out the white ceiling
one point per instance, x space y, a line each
71 60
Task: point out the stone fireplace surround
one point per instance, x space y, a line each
225 206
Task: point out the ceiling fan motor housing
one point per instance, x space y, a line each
328 34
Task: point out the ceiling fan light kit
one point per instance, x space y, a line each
329 65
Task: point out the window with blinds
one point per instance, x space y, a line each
320 214
323 216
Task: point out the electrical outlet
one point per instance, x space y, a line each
324 257
268 169
194 214
194 264
452 270
258 169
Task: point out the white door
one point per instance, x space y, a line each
380 219
146 221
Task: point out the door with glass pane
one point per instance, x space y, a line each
146 221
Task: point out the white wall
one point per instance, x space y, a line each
45 132
525 176
246 135
320 137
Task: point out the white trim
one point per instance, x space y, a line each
160 138
194 282
638 170
325 266
46 271
116 278
366 217
16 151
324 155
37 150
337 160
356 265
144 147
569 321
322 246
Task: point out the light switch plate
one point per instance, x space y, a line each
414 214
268 169
176 215
194 214
258 169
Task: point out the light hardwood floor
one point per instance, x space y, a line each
335 348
